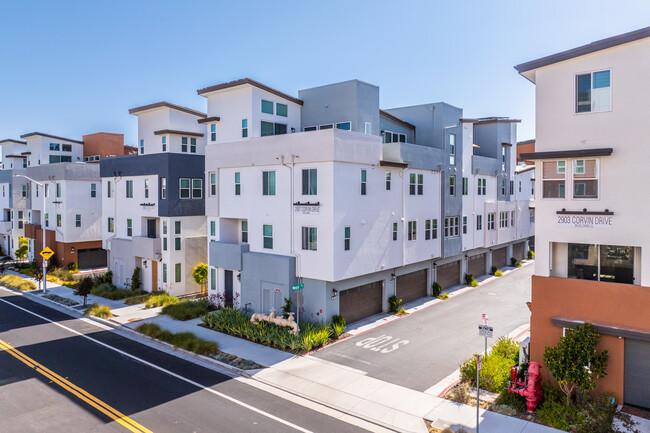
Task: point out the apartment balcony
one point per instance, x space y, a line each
227 255
5 227
146 247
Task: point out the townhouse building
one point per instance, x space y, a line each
354 203
591 260
153 205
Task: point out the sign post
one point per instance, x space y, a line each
478 389
298 288
46 254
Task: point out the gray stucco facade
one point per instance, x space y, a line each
272 275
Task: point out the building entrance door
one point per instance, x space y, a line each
154 276
228 287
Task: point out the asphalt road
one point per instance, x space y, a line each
53 396
425 347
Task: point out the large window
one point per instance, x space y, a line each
267 234
452 149
267 107
553 179
268 183
593 92
412 230
281 109
481 187
309 181
270 128
452 226
66 147
585 178
346 126
416 184
611 263
309 238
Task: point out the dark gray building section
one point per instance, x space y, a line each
172 166
227 255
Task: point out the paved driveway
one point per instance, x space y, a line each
420 350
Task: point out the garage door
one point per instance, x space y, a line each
412 286
476 265
449 275
518 251
499 257
91 258
637 373
361 302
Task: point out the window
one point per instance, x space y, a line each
346 238
244 232
434 229
146 188
553 179
93 190
394 137
531 215
111 225
593 92
503 158
177 272
267 233
482 189
24 190
503 220
452 185
268 128
532 187
519 186
66 147
512 187
309 181
183 144
58 190
197 188
237 183
164 228
20 219
184 187
363 182
281 109
503 187
192 145
244 128
346 126
452 226
213 132
77 220
109 189
309 238
213 183
416 184
394 231
585 178
213 279
163 187
610 263
164 272
141 147
452 149
129 189
164 143
177 227
177 243
47 220
464 225
490 221
512 218
54 146
268 183
164 243
465 186
310 128
267 107
427 230
412 230
129 227
479 222
47 190
388 181
327 126
368 128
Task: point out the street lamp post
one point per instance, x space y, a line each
42 227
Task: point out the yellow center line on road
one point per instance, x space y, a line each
114 414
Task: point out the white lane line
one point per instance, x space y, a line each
353 359
198 385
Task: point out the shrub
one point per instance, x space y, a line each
474 283
338 325
186 310
139 299
72 267
444 296
287 307
23 249
507 348
460 393
515 401
493 270
530 255
160 299
61 274
97 310
495 371
513 262
436 289
393 304
401 311
15 282
52 263
498 273
135 279
109 291
469 278
107 277
184 340
518 265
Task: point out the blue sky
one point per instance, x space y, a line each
75 67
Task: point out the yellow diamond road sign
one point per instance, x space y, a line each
47 253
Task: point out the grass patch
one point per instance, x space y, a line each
97 310
160 299
187 310
15 282
109 291
183 340
61 300
63 275
140 299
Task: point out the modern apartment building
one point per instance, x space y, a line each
592 261
354 202
153 205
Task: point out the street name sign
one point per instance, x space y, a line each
298 287
47 253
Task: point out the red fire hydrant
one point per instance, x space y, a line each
531 387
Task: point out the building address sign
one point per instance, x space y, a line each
586 221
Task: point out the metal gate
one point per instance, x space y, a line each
91 258
518 251
449 274
499 257
361 302
412 286
476 265
636 389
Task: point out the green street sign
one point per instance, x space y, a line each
297 287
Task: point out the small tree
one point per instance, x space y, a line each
83 288
200 275
38 276
23 249
574 362
4 264
135 279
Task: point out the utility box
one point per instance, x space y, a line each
524 351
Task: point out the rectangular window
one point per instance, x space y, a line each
47 220
66 147
47 190
491 221
111 225
129 227
164 228
164 143
213 132
416 184
93 190
394 231
267 107
177 243
141 147
184 187
309 181
58 190
427 230
77 220
268 183
310 128
465 186
519 186
197 188
512 187
244 232
177 272
20 219
512 218
452 185
482 189
146 188
164 272
213 228
593 92
368 128
585 178
267 128
531 215
434 229
327 126
129 189
192 145
109 189
412 184
213 183
54 147
346 126
213 279
452 226
479 222
388 181
164 243
163 187
464 225
237 183
59 222
24 190
503 187
553 179
363 182
394 137
309 238
412 230
281 109
177 227
420 184
503 220
244 128
267 233
183 144
503 158
452 149
280 128
346 238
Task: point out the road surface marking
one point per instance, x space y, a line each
353 359
382 344
114 414
177 376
